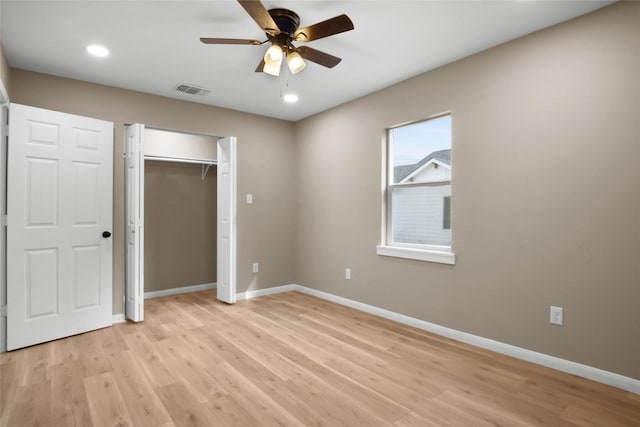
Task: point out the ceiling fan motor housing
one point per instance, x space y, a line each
286 20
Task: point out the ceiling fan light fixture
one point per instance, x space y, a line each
273 54
295 62
273 60
274 70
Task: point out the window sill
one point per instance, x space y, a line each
442 257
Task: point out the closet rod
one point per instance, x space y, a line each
206 164
181 160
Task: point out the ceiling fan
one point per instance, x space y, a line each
281 29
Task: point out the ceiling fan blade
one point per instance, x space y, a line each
319 57
260 67
259 13
336 25
208 40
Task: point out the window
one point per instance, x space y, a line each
418 222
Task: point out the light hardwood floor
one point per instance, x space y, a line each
287 360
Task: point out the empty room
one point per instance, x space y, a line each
320 213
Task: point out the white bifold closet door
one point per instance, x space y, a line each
226 282
134 222
59 246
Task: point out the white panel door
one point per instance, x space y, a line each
59 210
134 219
226 281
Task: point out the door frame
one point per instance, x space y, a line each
4 135
230 204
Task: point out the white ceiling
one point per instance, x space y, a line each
155 45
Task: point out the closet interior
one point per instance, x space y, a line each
180 199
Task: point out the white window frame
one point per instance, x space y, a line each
420 252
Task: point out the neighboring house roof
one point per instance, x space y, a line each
403 171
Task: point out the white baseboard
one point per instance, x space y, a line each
180 290
578 369
118 318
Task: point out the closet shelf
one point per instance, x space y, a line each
206 163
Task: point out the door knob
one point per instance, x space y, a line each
106 234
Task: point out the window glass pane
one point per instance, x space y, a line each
420 183
421 152
417 214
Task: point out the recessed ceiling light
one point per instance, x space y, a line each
290 98
96 50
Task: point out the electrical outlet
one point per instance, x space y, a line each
347 273
256 267
555 315
249 199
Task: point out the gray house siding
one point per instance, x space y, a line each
418 215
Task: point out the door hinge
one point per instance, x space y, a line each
3 311
3 220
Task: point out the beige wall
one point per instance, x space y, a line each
265 156
180 225
546 194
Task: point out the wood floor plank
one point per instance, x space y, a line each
414 420
317 338
288 360
64 350
31 405
149 358
262 407
596 415
35 364
189 371
280 391
8 388
180 404
106 404
408 397
94 360
441 413
324 388
261 347
142 402
70 406
273 327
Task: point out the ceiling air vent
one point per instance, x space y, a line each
192 90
